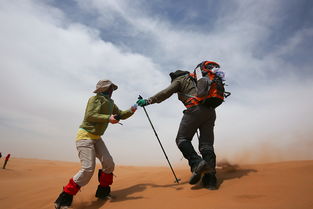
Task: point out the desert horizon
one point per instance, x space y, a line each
35 183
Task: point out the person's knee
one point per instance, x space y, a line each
178 141
181 141
89 172
84 176
89 168
108 166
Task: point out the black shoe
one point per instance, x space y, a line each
64 201
197 172
103 192
209 181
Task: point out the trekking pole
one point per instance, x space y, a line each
176 179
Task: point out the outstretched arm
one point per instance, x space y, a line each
123 114
162 95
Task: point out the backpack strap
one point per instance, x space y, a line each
193 99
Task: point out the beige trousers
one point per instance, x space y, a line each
88 151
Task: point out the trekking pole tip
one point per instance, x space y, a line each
177 181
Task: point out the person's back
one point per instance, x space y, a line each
187 88
181 83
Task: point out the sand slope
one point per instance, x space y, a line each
35 184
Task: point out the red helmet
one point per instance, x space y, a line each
208 65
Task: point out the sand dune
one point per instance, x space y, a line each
35 184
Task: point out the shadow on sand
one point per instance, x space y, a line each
127 194
124 194
226 171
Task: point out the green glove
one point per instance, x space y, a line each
142 102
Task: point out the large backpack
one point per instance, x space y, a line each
210 86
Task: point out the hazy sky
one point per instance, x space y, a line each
53 52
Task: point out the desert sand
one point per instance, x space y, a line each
35 184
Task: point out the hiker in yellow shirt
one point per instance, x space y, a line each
100 111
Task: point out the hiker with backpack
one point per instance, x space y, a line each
100 111
201 92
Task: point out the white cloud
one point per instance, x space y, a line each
50 66
50 70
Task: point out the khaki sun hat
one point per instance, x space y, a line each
104 85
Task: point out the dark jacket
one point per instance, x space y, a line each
182 84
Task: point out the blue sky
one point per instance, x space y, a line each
53 53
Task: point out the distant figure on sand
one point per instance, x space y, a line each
100 111
0 155
6 160
199 114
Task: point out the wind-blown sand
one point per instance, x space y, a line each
35 184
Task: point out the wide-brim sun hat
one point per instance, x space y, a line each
104 85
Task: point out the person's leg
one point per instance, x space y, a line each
87 156
206 139
206 148
86 153
188 127
105 175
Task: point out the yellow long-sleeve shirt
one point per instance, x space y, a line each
83 134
